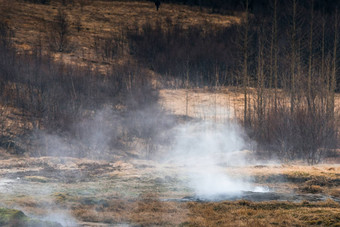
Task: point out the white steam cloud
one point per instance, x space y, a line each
92 137
202 150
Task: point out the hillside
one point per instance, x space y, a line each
96 38
92 21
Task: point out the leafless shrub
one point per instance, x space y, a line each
297 135
78 24
39 1
56 97
83 3
59 32
107 47
179 52
6 34
66 2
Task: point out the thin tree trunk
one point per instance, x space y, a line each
275 56
323 74
293 60
260 85
310 59
187 91
245 65
334 67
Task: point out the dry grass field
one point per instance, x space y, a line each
144 193
218 105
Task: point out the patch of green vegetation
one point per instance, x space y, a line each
272 205
94 201
298 177
62 197
8 215
311 189
39 179
221 208
13 217
287 205
294 177
323 219
300 174
186 224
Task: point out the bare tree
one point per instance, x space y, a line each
83 3
275 49
334 65
60 31
310 99
293 59
245 62
78 23
260 105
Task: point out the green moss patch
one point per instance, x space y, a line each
12 217
40 179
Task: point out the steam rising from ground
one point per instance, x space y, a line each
92 137
201 149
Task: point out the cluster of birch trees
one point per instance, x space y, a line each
295 74
285 61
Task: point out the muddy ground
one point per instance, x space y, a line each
82 192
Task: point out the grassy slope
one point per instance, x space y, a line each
31 26
31 23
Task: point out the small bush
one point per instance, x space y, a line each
311 189
195 53
295 135
45 2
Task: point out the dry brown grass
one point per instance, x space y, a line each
13 121
222 104
31 24
240 213
335 192
124 193
203 103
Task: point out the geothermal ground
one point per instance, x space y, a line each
82 192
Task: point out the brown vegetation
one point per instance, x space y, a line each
131 193
287 71
241 213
